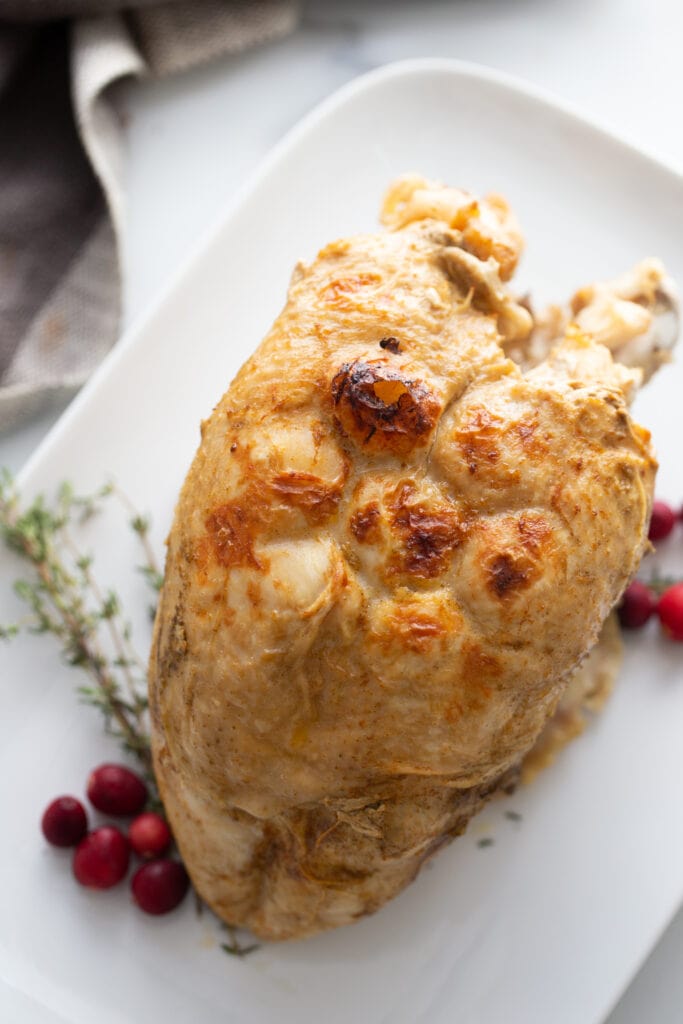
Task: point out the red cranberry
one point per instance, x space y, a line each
149 835
64 822
115 789
101 859
636 606
670 611
662 521
159 886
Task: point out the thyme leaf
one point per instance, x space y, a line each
234 946
63 598
658 584
237 950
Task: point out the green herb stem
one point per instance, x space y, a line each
64 599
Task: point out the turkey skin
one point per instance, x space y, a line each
392 549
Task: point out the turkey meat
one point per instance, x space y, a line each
393 548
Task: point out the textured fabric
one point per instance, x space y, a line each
173 37
52 10
62 193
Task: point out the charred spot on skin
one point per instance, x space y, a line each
233 446
505 576
390 344
231 530
364 522
381 409
316 498
429 535
428 541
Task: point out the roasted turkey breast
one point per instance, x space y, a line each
391 551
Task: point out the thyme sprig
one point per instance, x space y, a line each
63 598
658 583
234 947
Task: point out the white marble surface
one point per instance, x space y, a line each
194 140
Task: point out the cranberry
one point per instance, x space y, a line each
64 822
670 611
159 886
115 789
149 835
662 521
636 606
101 859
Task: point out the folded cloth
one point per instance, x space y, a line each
61 182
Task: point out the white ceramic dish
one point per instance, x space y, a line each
547 924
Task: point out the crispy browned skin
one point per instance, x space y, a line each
390 552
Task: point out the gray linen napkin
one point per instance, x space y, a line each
61 183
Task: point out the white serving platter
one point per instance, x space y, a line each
546 925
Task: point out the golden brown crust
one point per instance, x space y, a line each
317 499
390 552
231 529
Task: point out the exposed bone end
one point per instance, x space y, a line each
579 361
481 280
636 316
488 228
480 240
548 327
